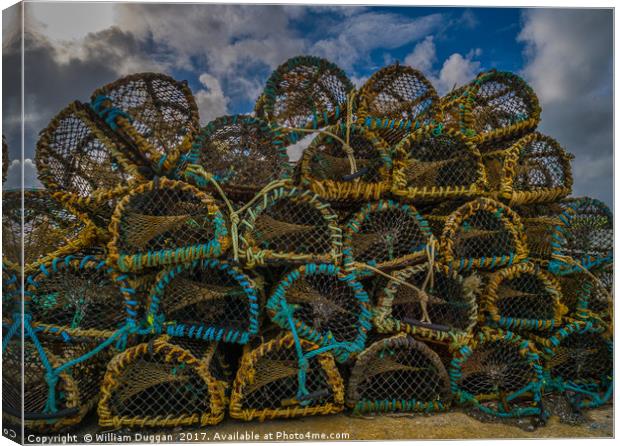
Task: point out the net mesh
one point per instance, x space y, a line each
325 306
304 92
523 296
163 383
164 222
483 234
585 237
386 235
539 221
579 363
434 163
81 296
289 225
441 309
498 373
398 374
76 391
206 299
267 384
335 172
242 152
10 292
163 116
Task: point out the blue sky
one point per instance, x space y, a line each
226 52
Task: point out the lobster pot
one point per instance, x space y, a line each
524 297
48 229
322 305
164 222
600 294
437 214
539 221
584 239
578 362
243 154
79 296
156 114
80 159
498 106
289 225
386 235
10 293
536 169
397 93
398 374
433 164
268 383
74 394
206 299
483 234
334 174
304 92
436 306
164 383
498 373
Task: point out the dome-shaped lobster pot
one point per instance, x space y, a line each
155 114
83 163
398 374
164 222
289 225
483 234
395 100
206 299
524 297
386 235
243 153
535 169
164 383
48 229
322 305
304 92
578 362
79 295
495 106
334 173
437 307
434 164
268 383
498 373
584 238
74 393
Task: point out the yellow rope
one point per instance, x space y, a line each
599 282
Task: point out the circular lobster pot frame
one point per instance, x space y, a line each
324 305
578 362
79 295
524 297
207 299
385 235
435 164
243 153
154 113
497 106
304 92
289 225
535 169
584 239
268 383
498 373
483 234
164 383
75 392
398 374
48 229
164 222
445 310
327 170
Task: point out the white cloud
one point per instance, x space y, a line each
13 177
457 70
423 56
211 101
